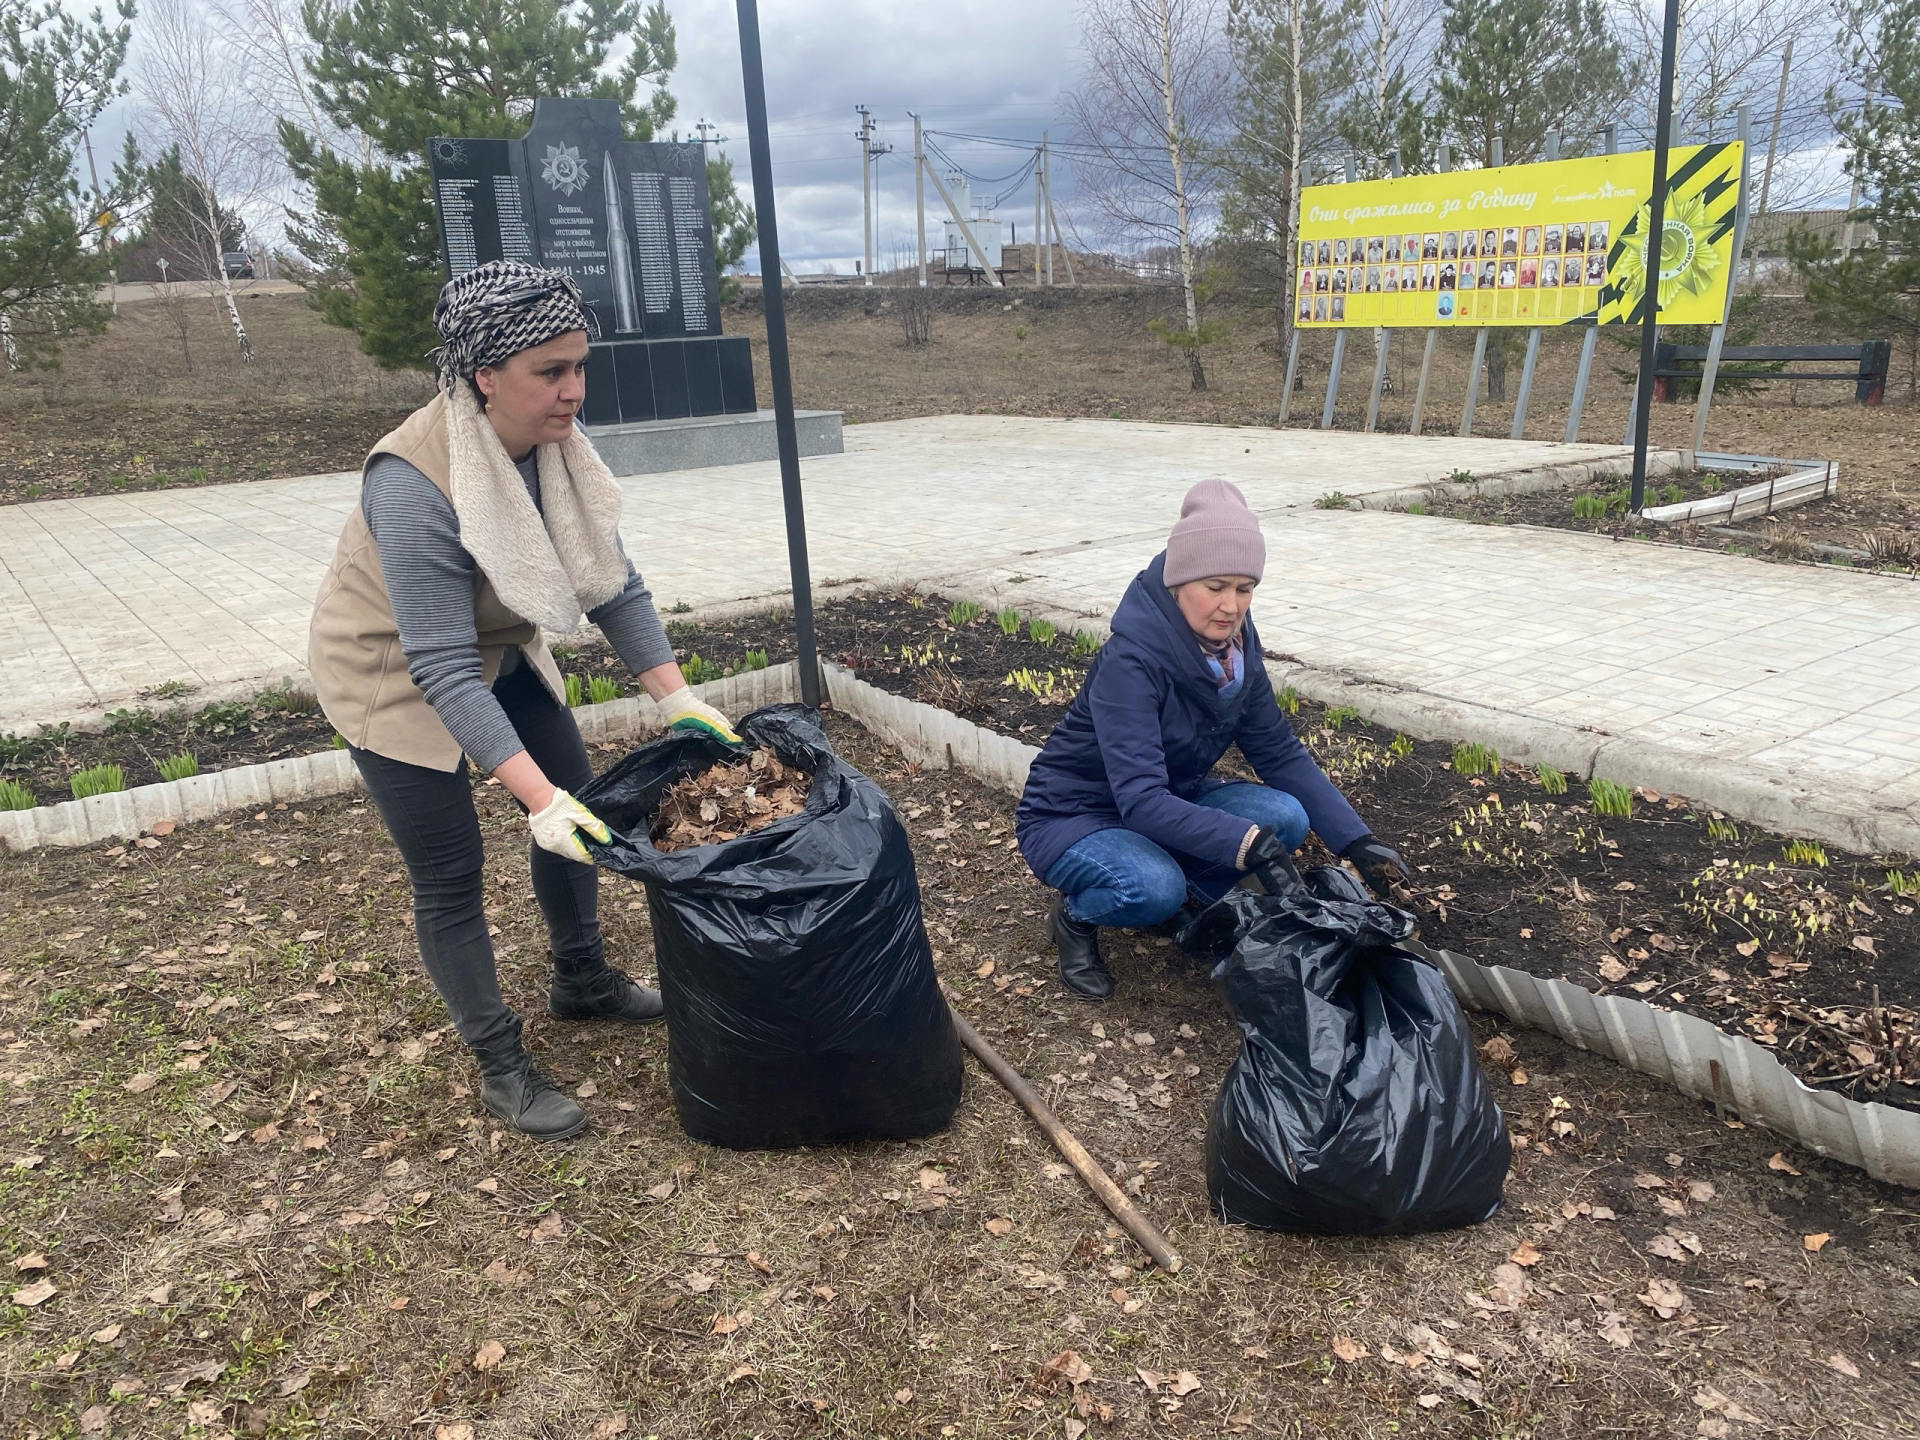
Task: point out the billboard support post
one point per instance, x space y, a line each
1333 378
1526 384
1420 393
1293 368
1473 382
1710 371
1379 377
1587 344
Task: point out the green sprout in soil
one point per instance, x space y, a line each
1473 758
916 602
1086 644
1551 780
223 717
1339 715
601 689
1400 747
169 689
1589 507
1009 622
1332 500
753 660
286 700
339 741
1418 507
179 767
15 796
1461 477
1898 881
1805 852
698 671
1671 494
577 691
1719 828
1048 688
564 654
1609 799
1289 699
97 780
130 722
962 612
1041 632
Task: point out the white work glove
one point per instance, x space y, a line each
554 827
686 711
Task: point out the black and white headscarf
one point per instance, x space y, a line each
497 310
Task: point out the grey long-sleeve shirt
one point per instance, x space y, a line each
430 579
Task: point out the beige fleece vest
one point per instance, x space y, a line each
353 642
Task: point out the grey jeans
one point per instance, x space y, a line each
431 817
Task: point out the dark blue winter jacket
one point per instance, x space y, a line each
1147 727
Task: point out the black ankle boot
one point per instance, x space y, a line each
513 1089
602 993
1081 968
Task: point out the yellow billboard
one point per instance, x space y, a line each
1555 243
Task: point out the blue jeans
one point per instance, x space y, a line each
1121 879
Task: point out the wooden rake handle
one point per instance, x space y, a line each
1137 1225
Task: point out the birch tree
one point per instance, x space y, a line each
1146 110
199 107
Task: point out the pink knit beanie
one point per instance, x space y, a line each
1216 534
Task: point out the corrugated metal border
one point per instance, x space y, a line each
1694 1056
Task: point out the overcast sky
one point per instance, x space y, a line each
982 67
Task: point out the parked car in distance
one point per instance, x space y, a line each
239 265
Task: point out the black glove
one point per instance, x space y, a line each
1269 860
1379 864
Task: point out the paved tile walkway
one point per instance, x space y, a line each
1808 675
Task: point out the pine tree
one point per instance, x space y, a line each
396 73
57 72
1875 291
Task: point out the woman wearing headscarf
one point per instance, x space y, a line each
487 522
1122 813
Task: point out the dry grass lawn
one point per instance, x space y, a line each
247 1190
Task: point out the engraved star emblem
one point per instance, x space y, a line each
563 169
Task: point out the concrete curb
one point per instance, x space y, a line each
1837 814
1561 475
128 813
1694 1056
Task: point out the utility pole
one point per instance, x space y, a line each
920 196
1046 187
865 136
1773 146
1853 191
1036 217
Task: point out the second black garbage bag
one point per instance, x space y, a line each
1357 1105
802 1004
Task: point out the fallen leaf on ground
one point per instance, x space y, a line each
458 1430
1510 1284
292 1384
489 1355
1700 1191
500 1272
1525 1254
699 1282
35 1261
1840 1362
488 1186
141 1083
586 1090
1152 1379
1499 1052
1185 1383
1865 945
663 1191
1518 1077
724 1324
1349 1349
1615 1329
549 1229
1816 1243
740 1372
902 1396
1650 1182
983 969
1664 1298
759 1262
37 1293
1428 1401
611 1426
825 1293
1666 1247
267 1133
1778 1161
1067 1367
106 1334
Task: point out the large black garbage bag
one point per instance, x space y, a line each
1357 1105
802 1006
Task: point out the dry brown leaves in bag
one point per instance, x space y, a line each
728 801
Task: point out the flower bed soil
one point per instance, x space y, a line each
249 1189
1860 532
1678 905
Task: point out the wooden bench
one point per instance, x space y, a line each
1866 367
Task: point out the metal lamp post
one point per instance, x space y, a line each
760 155
1656 244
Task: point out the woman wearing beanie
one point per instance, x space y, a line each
1121 812
486 522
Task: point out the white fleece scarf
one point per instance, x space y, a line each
550 564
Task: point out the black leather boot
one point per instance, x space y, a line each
603 993
1081 968
513 1089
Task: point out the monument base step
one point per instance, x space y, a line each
649 447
